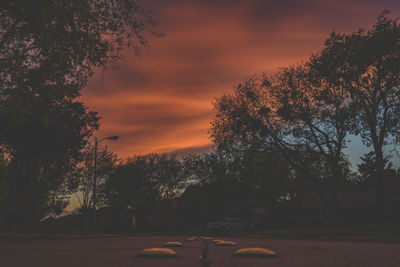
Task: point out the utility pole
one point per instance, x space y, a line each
114 138
94 185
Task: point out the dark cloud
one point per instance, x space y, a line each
192 150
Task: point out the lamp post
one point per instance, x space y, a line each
96 142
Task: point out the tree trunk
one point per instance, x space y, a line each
30 200
335 179
334 182
379 179
325 200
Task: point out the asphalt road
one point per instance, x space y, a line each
70 251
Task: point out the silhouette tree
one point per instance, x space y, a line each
366 64
145 186
290 116
367 169
320 115
81 177
222 184
209 167
48 50
45 146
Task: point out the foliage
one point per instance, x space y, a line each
48 50
56 44
145 185
367 168
221 184
366 64
208 167
306 112
283 115
81 178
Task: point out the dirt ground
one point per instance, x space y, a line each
99 251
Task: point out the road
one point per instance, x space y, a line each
107 251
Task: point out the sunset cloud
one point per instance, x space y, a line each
161 100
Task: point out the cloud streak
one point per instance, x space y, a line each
161 101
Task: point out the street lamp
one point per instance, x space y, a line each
96 142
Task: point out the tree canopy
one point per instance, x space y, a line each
366 65
350 87
48 50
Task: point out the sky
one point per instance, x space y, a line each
160 100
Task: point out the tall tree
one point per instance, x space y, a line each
81 178
320 115
283 115
145 185
48 50
45 147
367 65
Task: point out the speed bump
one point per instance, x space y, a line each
217 240
192 238
205 237
255 252
157 252
172 244
226 244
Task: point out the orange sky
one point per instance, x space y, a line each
161 101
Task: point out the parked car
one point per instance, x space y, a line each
226 224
